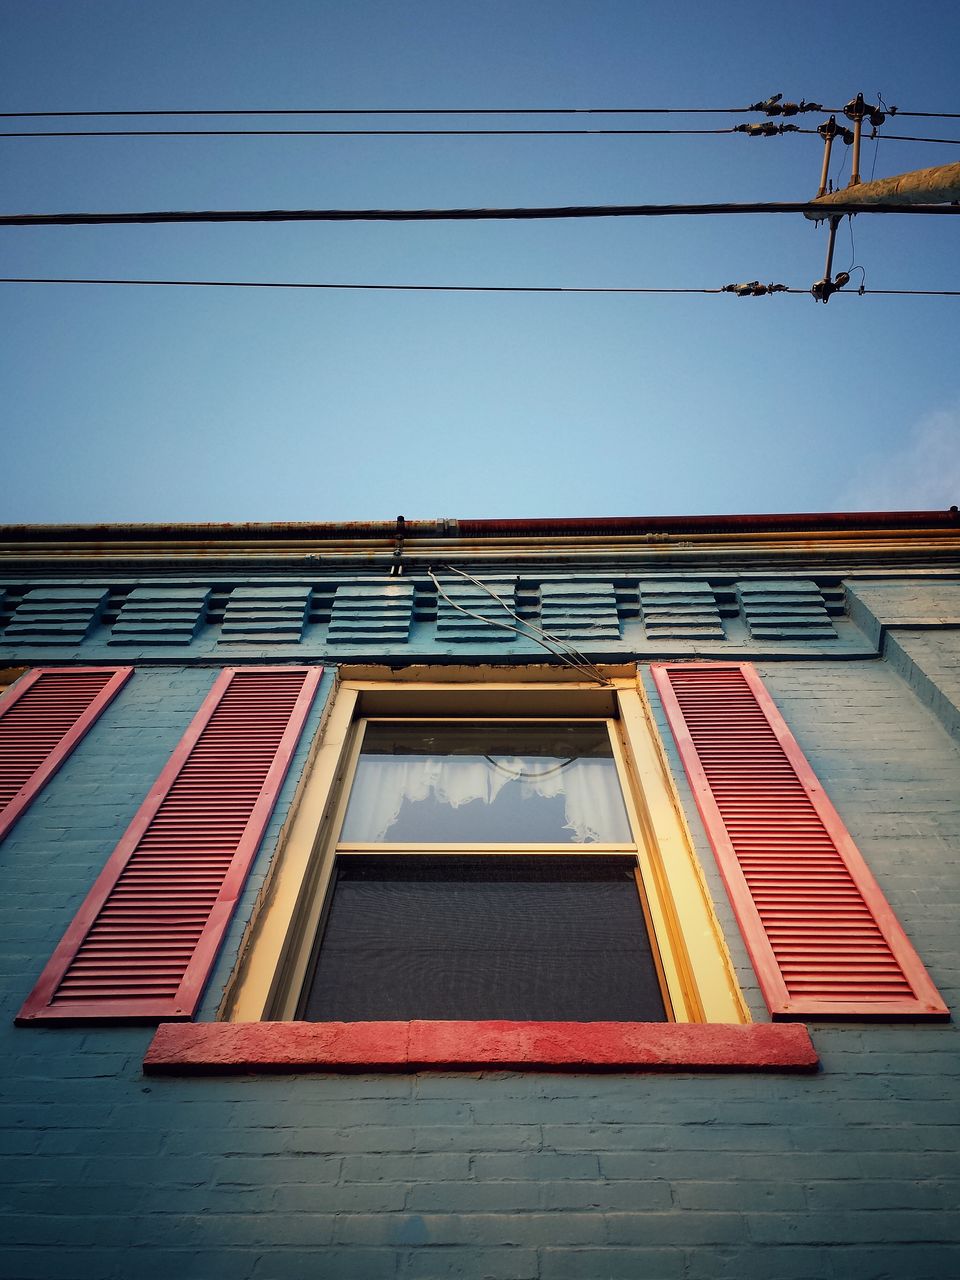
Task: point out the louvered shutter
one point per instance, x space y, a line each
822 937
42 718
143 943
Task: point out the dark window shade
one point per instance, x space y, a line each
485 937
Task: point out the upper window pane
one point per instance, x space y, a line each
524 783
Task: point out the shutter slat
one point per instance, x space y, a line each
820 933
42 718
143 943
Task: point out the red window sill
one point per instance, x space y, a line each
220 1047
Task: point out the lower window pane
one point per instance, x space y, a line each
521 938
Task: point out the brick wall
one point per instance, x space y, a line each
848 1173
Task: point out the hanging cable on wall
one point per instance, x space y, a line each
566 653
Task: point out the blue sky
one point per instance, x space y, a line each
150 404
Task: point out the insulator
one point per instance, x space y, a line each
764 129
753 289
775 106
769 105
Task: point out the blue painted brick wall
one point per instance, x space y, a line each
851 1173
930 663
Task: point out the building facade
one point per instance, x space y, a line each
526 899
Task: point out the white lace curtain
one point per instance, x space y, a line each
593 805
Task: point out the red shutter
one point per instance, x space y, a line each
42 718
822 937
143 943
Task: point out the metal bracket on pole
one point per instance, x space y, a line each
823 289
828 131
857 132
856 110
396 568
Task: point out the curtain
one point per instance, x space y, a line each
593 804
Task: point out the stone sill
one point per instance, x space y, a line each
250 1047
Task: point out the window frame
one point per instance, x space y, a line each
338 848
697 974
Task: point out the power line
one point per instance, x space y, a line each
387 111
436 288
412 288
430 133
465 215
351 133
885 137
906 137
435 111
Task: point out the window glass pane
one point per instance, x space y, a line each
477 937
514 783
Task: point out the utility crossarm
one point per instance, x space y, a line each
939 185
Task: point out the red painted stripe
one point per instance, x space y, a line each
42 718
219 1047
823 939
144 941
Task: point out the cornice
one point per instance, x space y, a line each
685 543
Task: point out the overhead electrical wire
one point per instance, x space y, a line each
915 293
434 111
355 133
886 137
431 288
820 212
423 133
388 111
906 137
409 288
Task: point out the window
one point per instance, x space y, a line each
484 869
482 849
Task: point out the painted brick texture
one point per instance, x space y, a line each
850 1173
929 661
